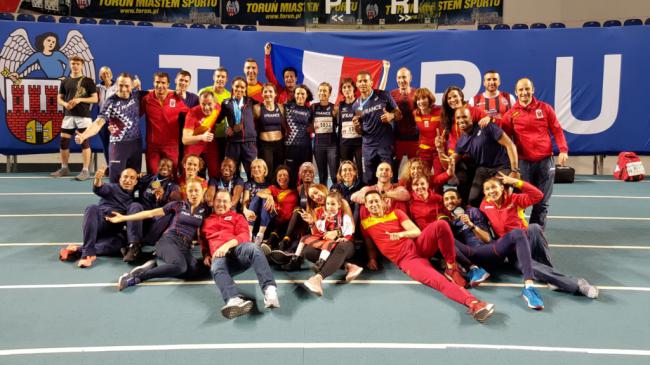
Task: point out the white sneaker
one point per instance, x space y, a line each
353 271
315 285
271 297
587 289
236 307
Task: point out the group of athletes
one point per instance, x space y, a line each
494 154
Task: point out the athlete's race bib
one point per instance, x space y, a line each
323 125
348 131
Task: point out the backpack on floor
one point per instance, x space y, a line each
629 167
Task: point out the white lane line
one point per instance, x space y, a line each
608 247
41 193
607 180
600 196
255 282
321 345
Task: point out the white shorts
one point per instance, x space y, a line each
72 122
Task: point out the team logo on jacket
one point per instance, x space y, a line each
539 114
30 77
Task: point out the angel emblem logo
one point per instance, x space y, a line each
232 7
372 10
30 78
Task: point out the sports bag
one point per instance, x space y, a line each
629 167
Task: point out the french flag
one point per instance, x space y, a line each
314 68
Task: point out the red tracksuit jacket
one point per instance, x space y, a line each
510 215
219 229
529 126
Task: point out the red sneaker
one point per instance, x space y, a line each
481 310
87 261
70 253
455 276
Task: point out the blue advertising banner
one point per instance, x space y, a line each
172 11
594 77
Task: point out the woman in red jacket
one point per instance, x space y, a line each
504 209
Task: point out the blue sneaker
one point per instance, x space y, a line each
532 298
476 276
126 280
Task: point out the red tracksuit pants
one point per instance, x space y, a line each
414 261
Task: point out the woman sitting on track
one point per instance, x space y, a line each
347 181
229 180
278 202
296 226
251 211
416 168
503 211
174 249
191 165
329 245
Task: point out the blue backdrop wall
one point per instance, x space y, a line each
596 78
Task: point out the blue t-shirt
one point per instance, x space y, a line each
147 186
221 184
298 120
254 187
482 145
376 133
123 115
185 223
466 235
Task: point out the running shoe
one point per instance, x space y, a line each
587 289
132 252
83 176
279 257
532 298
455 276
352 272
271 297
476 276
70 253
63 171
126 280
315 285
481 310
236 307
266 249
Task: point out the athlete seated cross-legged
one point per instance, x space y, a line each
402 242
102 238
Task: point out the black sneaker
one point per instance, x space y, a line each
132 253
318 266
294 264
279 257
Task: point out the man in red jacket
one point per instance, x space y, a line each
227 249
531 122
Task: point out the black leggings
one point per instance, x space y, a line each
341 253
352 153
272 153
326 158
176 254
294 157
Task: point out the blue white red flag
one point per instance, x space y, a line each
314 68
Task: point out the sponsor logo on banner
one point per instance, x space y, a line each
32 113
